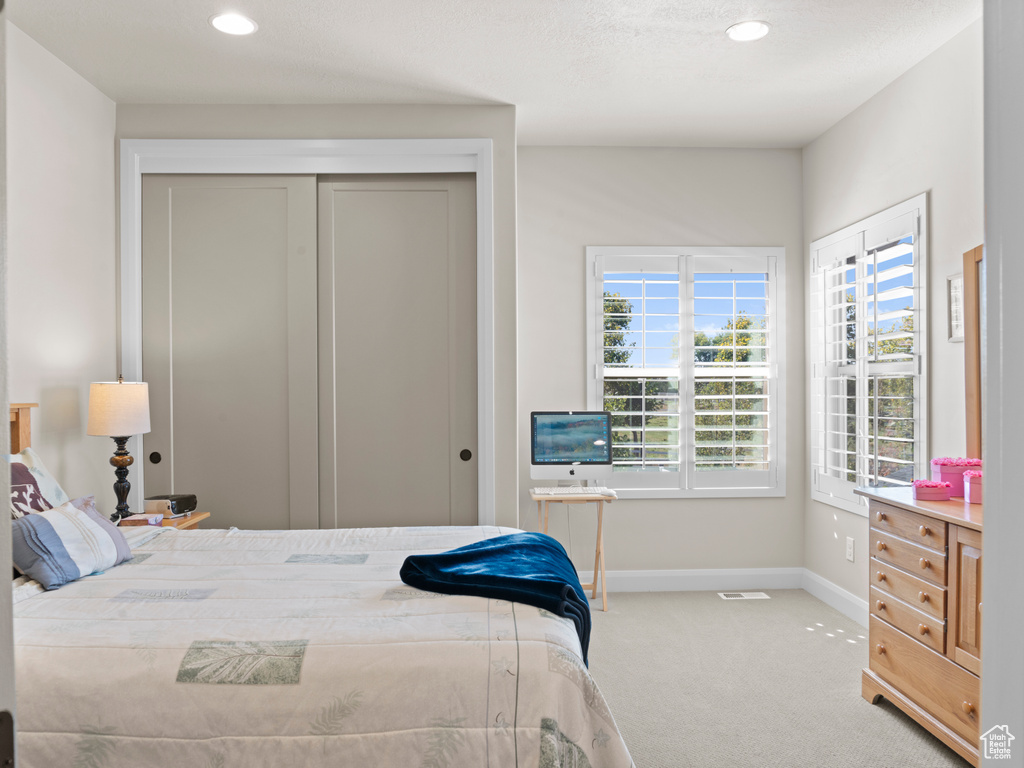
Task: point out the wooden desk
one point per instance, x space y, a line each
579 498
191 520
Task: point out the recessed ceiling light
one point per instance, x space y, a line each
233 24
748 31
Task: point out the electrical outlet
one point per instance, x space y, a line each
849 548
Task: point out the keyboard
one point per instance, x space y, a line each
572 490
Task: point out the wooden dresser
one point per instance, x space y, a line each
925 602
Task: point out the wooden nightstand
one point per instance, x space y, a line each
191 520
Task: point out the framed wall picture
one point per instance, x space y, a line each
955 307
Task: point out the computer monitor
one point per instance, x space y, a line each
571 445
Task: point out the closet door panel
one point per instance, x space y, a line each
398 351
229 345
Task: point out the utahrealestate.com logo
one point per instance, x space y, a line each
995 743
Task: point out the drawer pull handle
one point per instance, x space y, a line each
968 708
923 629
881 649
925 531
881 576
880 605
925 563
881 546
880 516
923 597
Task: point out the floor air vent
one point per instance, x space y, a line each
743 596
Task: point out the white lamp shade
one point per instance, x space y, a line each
118 409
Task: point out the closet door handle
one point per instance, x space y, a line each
465 454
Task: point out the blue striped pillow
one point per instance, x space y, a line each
64 544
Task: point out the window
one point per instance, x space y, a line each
867 388
685 349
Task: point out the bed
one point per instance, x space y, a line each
297 648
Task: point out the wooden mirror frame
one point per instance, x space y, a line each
972 347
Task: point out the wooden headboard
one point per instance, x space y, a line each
21 425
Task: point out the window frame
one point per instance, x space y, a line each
827 254
736 259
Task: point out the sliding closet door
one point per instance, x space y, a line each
398 351
229 345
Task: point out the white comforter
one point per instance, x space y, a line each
218 648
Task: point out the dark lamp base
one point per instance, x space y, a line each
121 460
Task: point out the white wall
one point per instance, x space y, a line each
1002 687
60 270
570 198
6 611
922 133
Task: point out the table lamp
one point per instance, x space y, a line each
119 409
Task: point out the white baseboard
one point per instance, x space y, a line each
702 580
738 579
845 602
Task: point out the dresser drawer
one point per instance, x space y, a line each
949 692
920 626
922 594
921 561
908 525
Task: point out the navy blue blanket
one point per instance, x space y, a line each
529 568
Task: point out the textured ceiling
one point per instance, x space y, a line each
618 72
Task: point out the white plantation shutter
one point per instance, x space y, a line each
734 377
637 368
685 352
867 355
640 367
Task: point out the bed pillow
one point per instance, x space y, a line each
63 544
87 504
33 488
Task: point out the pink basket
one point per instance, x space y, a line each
951 474
932 494
972 490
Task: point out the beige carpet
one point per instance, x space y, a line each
695 680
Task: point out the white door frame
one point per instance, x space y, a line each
314 156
